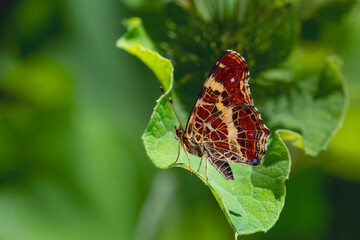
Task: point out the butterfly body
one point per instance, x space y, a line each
189 144
224 125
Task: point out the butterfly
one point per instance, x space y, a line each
224 126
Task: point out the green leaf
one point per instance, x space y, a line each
322 19
272 29
254 200
313 107
137 42
292 137
135 34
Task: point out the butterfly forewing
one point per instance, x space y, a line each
226 85
224 120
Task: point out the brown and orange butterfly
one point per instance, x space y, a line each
224 126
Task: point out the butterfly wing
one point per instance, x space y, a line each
223 167
224 120
226 85
237 135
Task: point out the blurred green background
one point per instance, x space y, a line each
72 111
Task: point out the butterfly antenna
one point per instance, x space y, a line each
171 104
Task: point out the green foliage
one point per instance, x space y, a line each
302 100
251 203
312 106
31 84
73 110
136 42
194 37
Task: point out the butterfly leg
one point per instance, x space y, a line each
200 163
177 155
188 159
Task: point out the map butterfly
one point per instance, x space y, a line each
224 126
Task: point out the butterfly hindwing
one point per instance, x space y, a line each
238 135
